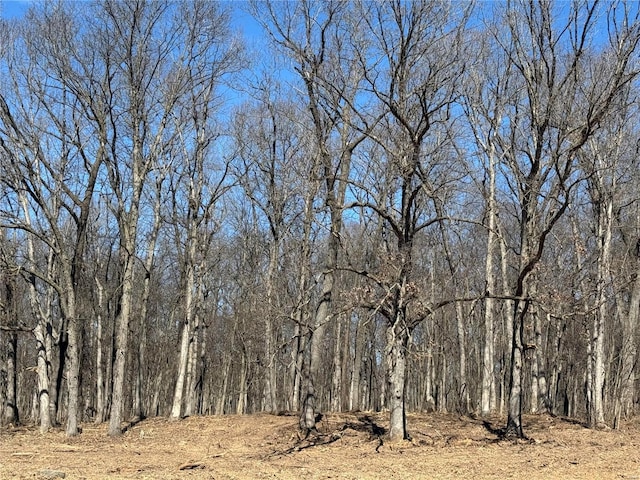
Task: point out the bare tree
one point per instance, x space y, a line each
46 136
312 35
414 84
201 177
556 104
9 328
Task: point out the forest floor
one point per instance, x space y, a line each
349 446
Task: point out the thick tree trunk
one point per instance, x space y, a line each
73 379
73 373
309 400
322 316
121 342
396 357
187 327
176 406
604 235
488 395
192 368
514 407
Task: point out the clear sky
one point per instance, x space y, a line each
241 20
13 8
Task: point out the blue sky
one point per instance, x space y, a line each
13 8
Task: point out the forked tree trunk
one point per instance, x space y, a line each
309 400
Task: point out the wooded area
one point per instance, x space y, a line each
424 206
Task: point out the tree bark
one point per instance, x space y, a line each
514 406
603 234
127 250
488 392
629 351
396 356
11 414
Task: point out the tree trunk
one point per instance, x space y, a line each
121 340
322 316
73 371
336 376
508 309
465 396
176 406
42 383
604 234
241 406
488 395
270 399
629 352
395 353
100 394
514 410
539 392
11 414
187 327
354 389
192 368
316 346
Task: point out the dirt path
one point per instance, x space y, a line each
351 446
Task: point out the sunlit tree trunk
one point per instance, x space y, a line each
122 322
99 369
488 392
396 357
604 214
187 328
11 415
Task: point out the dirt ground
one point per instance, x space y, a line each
350 446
